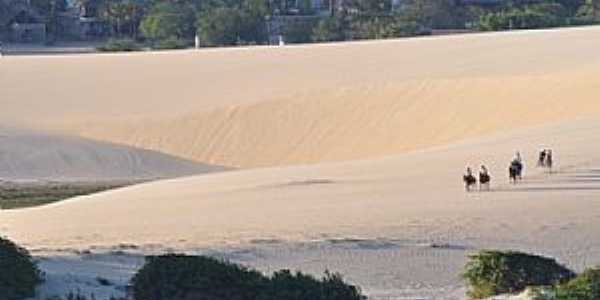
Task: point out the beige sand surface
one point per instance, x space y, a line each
401 119
397 223
27 155
413 195
268 106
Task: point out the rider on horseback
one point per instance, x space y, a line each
469 180
484 178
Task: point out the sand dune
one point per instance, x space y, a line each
409 210
270 106
30 155
362 122
352 198
388 127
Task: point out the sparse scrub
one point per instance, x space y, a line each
585 286
17 195
181 277
490 273
171 43
19 274
79 296
120 45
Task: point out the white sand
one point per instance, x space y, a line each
399 225
40 156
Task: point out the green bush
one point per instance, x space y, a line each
299 32
181 277
382 28
284 285
528 17
490 273
170 43
18 273
586 286
122 45
79 296
330 30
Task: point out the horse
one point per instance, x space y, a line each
542 159
549 161
484 181
514 171
469 180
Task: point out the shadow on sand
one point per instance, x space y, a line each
576 180
546 189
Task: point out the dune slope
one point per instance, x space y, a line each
269 106
399 226
31 155
373 198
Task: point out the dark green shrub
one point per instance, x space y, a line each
171 43
181 277
299 32
79 296
490 273
18 273
335 288
330 29
285 285
120 45
586 286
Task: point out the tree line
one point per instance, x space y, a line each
175 23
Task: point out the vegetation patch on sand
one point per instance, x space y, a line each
492 272
20 195
183 277
586 286
18 272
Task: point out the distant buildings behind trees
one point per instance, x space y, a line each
176 23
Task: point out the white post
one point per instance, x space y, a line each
281 42
197 41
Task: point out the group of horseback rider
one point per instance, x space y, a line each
515 171
471 181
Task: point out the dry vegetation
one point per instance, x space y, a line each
20 195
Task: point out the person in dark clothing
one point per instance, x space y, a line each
519 166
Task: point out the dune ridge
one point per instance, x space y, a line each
362 122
